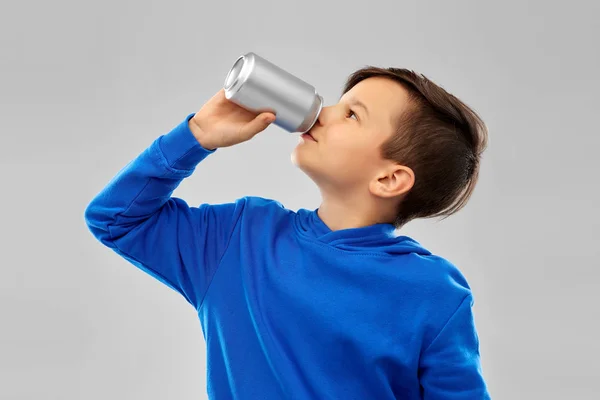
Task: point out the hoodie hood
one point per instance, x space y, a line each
378 238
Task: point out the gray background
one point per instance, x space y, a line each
86 86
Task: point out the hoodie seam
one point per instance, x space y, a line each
218 267
460 304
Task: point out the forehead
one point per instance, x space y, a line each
384 98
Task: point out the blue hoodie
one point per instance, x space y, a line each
290 309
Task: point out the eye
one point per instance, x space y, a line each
349 113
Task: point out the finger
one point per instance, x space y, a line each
258 124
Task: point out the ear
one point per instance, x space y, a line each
396 180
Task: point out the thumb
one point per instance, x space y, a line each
258 124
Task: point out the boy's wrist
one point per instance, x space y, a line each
200 135
180 148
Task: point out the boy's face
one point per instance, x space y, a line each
345 153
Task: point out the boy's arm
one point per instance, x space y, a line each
450 366
136 216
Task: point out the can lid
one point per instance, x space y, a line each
238 74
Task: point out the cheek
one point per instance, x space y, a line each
354 156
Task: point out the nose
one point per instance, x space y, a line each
327 115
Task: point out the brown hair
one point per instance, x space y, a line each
439 137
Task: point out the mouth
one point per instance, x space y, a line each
308 136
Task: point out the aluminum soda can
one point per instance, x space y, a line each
259 86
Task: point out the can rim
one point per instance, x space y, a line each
309 123
232 85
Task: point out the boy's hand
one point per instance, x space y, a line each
222 123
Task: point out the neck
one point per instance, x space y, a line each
346 212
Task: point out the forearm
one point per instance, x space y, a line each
144 185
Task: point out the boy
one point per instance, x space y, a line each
329 303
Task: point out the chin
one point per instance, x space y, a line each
297 157
300 160
303 157
306 165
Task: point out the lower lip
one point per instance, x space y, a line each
306 136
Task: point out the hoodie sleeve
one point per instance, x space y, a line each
450 366
136 216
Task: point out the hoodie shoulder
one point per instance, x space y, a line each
449 272
444 290
264 209
441 279
257 201
262 204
